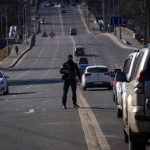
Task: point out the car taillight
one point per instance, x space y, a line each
140 76
139 87
140 118
87 74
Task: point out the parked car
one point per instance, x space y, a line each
118 82
96 76
49 4
136 103
3 84
79 50
72 31
82 68
82 60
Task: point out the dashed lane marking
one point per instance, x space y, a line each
62 26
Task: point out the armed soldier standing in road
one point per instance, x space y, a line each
70 70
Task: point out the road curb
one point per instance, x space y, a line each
118 42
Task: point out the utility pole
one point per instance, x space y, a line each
120 23
146 21
104 13
7 36
148 2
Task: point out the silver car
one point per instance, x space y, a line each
79 50
3 84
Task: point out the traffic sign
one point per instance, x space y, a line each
52 34
114 21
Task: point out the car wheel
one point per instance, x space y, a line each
113 97
6 92
125 136
110 88
119 113
84 88
135 143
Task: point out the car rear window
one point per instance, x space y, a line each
80 49
83 60
73 30
147 72
97 70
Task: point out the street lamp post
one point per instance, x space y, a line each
119 12
7 34
146 21
104 13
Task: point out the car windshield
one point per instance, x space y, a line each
1 75
80 49
82 67
97 70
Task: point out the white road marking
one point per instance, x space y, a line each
30 111
83 21
62 26
93 133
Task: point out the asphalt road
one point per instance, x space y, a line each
31 117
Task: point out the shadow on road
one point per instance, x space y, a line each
21 93
91 55
33 81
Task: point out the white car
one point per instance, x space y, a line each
3 84
96 76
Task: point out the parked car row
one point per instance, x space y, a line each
131 90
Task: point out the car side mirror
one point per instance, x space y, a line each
120 76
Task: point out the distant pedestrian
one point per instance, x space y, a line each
70 70
16 49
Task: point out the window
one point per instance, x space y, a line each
97 70
147 72
1 75
135 70
127 65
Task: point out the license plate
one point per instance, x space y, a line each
97 82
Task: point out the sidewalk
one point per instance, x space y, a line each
13 58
